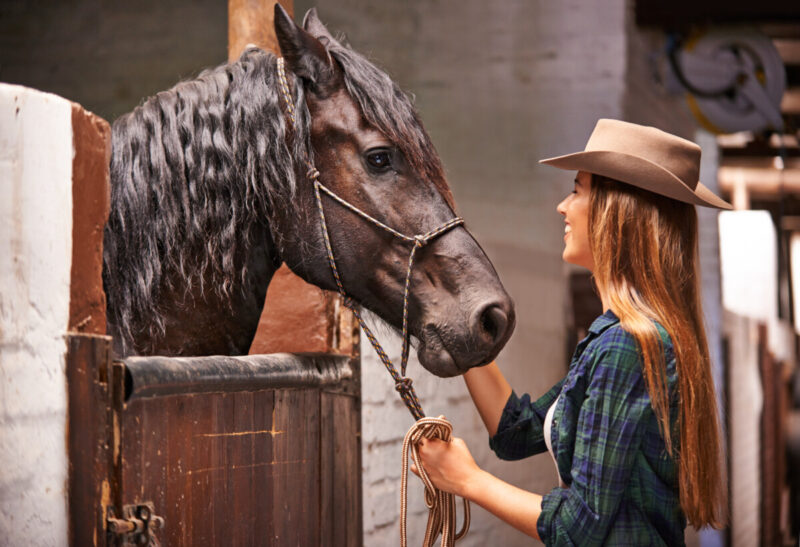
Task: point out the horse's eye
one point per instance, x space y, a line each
379 159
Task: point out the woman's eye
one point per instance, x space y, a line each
380 160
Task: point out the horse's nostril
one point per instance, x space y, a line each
493 322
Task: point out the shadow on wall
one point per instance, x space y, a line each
108 56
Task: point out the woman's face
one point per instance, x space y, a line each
575 209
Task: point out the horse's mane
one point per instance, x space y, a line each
197 169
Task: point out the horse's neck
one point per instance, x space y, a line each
209 323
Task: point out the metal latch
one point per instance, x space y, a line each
135 526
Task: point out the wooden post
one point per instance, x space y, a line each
250 22
297 317
88 351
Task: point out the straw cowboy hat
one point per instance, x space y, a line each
645 157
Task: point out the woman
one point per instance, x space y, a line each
633 427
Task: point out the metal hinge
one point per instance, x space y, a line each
135 526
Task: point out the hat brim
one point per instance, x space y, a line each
637 171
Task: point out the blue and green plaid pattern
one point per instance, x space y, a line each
622 487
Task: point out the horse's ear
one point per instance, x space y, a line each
305 55
314 26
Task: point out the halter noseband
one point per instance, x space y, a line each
401 383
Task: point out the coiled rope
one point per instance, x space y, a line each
441 505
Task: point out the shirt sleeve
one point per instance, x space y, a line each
608 435
520 432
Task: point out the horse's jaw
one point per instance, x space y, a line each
444 351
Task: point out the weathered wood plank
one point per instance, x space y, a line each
240 471
310 453
296 467
170 411
263 484
347 529
224 495
90 457
327 455
132 476
198 471
154 462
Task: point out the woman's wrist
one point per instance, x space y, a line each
516 506
476 485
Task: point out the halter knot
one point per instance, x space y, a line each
420 241
403 385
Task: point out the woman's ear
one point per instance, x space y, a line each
304 54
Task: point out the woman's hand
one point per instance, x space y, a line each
450 466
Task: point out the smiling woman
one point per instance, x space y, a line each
575 209
638 392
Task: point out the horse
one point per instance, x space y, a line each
210 194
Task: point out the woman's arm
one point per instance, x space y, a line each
517 507
490 391
452 469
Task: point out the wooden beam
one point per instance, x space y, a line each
790 103
251 22
759 182
789 50
769 163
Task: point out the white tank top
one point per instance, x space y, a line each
548 426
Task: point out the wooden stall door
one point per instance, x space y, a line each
268 456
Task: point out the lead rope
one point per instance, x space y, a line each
441 514
441 505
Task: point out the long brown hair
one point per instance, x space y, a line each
644 248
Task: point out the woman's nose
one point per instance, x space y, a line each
562 207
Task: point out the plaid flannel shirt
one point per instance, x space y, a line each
622 487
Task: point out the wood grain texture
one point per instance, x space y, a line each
270 467
296 467
89 429
251 22
91 195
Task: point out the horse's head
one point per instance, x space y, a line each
371 150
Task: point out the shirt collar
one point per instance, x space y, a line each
603 322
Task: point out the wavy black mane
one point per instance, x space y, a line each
194 169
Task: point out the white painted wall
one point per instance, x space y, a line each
749 258
35 260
